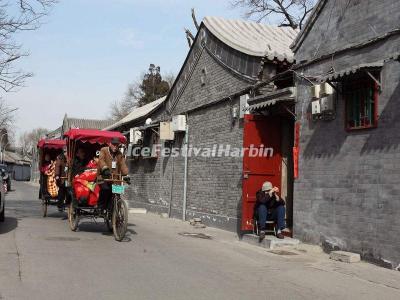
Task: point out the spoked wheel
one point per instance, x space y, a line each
73 217
119 219
44 208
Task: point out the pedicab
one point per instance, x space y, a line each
48 150
84 188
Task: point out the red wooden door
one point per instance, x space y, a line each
258 131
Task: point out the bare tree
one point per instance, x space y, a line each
24 142
121 108
6 115
29 139
290 13
17 16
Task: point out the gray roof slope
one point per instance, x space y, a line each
137 113
15 158
55 133
254 38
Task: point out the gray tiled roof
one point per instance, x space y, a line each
69 123
55 133
254 38
138 113
15 158
88 123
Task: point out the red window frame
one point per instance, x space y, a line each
361 85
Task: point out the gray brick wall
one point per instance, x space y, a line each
347 195
214 184
219 83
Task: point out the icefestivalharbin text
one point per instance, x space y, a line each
213 151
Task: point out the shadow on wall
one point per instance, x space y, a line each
147 165
387 136
356 196
327 137
239 209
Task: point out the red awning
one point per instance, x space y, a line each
94 136
51 144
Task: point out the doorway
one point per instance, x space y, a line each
274 134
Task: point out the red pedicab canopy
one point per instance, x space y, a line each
94 136
51 144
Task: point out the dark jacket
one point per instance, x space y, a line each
78 166
61 162
271 202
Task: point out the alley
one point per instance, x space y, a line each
40 258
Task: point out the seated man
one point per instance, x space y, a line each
270 207
111 162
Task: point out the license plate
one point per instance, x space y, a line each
118 189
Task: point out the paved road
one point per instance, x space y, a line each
40 258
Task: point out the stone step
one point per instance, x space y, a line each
137 210
347 257
270 241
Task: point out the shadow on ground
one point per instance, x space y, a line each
10 223
100 227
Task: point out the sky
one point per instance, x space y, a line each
87 52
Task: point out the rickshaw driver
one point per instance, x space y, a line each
111 162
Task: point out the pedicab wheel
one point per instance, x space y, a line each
73 217
44 208
119 219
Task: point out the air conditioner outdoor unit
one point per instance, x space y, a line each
315 107
327 104
315 90
325 90
179 123
166 132
135 136
243 105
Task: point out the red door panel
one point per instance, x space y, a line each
258 131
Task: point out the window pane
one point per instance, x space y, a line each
360 103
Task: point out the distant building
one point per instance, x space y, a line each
18 165
55 134
69 123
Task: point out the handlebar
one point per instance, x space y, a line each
124 179
113 180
